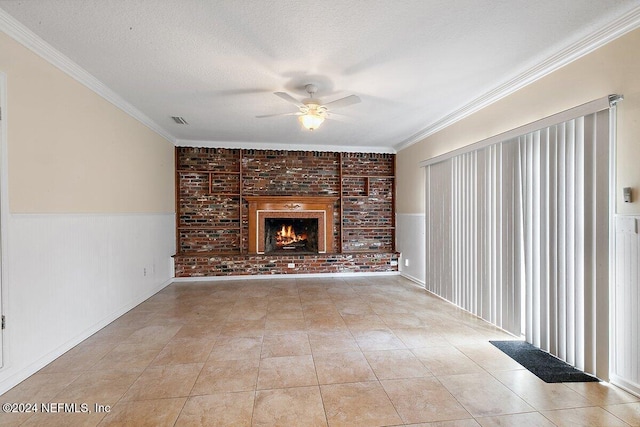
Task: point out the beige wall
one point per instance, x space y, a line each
70 151
614 68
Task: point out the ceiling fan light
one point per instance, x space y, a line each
311 120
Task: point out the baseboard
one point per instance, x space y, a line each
283 276
31 369
626 385
413 279
473 314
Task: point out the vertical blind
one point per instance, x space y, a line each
471 255
517 234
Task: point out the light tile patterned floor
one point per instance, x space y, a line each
306 352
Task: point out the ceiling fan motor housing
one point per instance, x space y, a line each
311 89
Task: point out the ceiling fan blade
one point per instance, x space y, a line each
276 115
343 102
339 118
289 98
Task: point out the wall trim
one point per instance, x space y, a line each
625 281
87 214
410 242
624 24
34 367
626 385
33 42
282 146
414 279
282 276
474 315
4 212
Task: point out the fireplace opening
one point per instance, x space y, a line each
299 235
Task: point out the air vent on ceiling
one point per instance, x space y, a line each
179 120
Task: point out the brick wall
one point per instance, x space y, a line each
242 265
212 216
300 173
277 173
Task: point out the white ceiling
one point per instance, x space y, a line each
217 63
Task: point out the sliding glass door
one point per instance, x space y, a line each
517 232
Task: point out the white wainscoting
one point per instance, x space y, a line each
68 275
411 243
625 364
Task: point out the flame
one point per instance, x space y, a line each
287 236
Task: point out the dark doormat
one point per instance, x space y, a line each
548 368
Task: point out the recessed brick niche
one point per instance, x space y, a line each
224 196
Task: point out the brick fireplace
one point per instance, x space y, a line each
340 206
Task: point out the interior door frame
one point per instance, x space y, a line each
613 212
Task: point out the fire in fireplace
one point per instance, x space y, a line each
291 235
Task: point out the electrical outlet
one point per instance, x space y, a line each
406 262
291 265
144 271
627 225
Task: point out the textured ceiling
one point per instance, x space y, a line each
217 63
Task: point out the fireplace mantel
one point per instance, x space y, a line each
263 207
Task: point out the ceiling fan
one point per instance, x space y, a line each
311 112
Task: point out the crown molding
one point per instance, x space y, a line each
24 36
283 146
627 22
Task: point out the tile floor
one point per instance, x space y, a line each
306 352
